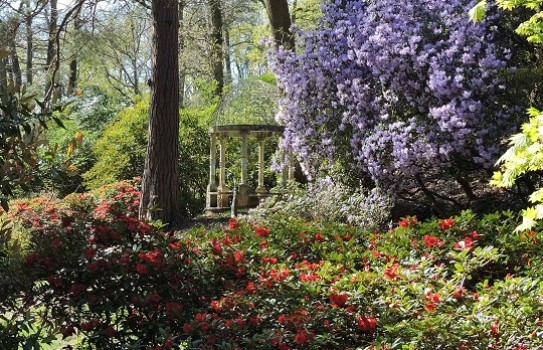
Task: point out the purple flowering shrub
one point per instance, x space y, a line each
394 90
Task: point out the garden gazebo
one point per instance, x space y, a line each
245 112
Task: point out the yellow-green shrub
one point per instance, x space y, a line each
525 155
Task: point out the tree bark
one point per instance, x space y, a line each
14 59
72 80
279 16
227 62
161 173
29 48
53 18
3 81
182 70
216 44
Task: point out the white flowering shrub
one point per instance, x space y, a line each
328 201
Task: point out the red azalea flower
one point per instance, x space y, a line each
216 248
233 224
31 258
262 231
338 300
433 297
238 256
409 221
144 227
227 241
281 319
216 306
494 330
430 306
175 245
466 243
366 324
308 277
446 224
432 241
390 272
302 337
187 328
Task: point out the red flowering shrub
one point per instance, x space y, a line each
109 276
113 280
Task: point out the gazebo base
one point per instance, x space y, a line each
254 200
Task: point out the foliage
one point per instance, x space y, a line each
369 209
25 158
120 153
67 145
524 156
306 14
193 159
532 29
396 90
251 101
458 283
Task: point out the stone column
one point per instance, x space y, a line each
243 159
261 189
243 191
211 200
223 197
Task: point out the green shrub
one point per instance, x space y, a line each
525 156
121 151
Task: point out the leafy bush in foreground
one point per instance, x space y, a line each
459 283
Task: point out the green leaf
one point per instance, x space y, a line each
4 204
478 12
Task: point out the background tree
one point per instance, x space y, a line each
280 22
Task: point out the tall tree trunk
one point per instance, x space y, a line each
3 80
279 16
227 62
51 50
53 18
161 173
29 49
216 44
72 80
182 70
294 11
15 66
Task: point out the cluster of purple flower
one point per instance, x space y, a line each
396 88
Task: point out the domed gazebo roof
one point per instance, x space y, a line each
245 111
248 107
